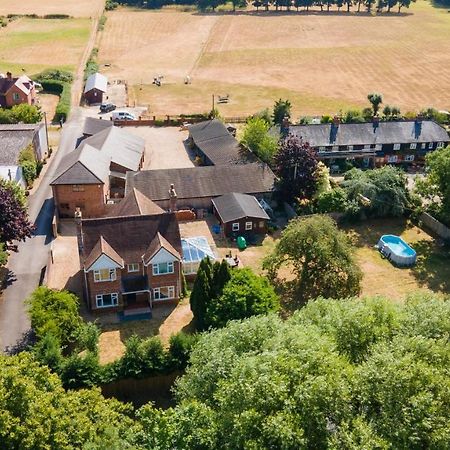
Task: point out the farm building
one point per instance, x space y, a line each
93 126
88 176
375 143
215 145
16 90
13 139
95 87
240 214
196 186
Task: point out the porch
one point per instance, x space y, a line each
136 298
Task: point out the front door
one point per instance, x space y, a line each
131 299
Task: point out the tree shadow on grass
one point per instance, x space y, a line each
432 267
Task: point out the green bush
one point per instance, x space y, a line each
54 75
91 64
63 107
181 345
48 352
86 337
80 371
3 255
29 171
56 16
110 5
101 23
332 201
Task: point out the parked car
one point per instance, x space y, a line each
107 107
122 115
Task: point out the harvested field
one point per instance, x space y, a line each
322 62
75 8
37 44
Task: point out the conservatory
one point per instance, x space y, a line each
194 250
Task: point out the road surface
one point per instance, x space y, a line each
26 265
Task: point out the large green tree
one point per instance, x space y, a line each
37 413
244 295
321 257
374 98
353 374
257 138
281 111
435 187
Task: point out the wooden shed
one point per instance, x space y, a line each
96 86
240 214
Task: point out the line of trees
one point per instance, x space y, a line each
277 5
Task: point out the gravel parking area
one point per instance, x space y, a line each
164 147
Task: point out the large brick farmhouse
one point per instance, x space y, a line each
131 261
16 90
376 143
95 172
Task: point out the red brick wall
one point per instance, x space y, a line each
104 287
91 200
30 99
172 279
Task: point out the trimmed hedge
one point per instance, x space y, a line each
63 108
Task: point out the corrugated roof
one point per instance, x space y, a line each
94 126
237 206
214 140
134 204
96 81
209 181
402 132
130 236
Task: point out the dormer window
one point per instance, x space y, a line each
396 146
104 275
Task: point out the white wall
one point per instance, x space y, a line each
15 172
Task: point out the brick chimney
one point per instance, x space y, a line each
172 198
78 218
336 121
375 122
9 75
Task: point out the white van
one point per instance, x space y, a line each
122 115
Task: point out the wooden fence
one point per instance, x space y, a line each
173 121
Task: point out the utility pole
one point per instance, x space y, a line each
46 131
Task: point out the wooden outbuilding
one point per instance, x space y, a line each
95 88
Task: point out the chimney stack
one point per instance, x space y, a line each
336 120
78 219
9 75
172 198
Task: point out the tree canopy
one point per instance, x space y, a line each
257 138
359 373
320 256
296 165
37 413
14 222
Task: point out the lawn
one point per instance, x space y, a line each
32 45
322 62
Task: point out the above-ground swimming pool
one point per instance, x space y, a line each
397 250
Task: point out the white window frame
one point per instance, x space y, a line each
366 146
114 300
235 226
248 226
156 269
322 149
397 146
430 146
413 146
98 279
350 147
440 145
261 223
77 188
170 293
392 159
409 158
424 145
16 96
133 267
335 148
378 147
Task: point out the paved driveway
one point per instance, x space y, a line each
164 147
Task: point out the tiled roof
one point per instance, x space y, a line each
157 244
90 162
134 204
102 248
236 206
94 126
402 132
130 236
196 182
214 140
13 139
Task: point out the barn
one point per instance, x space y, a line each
95 88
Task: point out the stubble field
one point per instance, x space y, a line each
322 62
74 8
37 44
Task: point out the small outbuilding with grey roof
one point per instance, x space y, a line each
240 214
95 87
